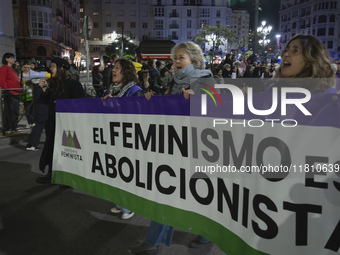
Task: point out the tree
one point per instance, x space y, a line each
218 35
115 49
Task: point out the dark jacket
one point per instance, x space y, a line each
71 89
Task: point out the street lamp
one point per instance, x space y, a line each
264 31
122 38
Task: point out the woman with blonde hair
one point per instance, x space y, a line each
189 63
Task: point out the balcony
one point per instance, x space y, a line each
174 26
174 37
174 15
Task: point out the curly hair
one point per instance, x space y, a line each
128 71
318 62
194 52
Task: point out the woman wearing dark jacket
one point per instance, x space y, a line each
61 87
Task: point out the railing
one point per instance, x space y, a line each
2 110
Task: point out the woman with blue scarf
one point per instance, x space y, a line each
189 63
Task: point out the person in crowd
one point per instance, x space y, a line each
273 61
33 66
209 67
171 69
249 71
228 60
226 71
234 72
189 63
125 80
153 72
144 80
256 72
97 80
264 59
162 81
27 94
61 86
265 72
217 72
243 64
17 67
107 73
158 66
237 64
9 82
114 58
272 70
74 72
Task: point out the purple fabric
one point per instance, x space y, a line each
157 105
324 108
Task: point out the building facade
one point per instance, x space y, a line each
7 40
112 19
176 20
319 18
240 26
45 29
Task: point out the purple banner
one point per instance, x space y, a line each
157 105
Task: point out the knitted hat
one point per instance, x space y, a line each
60 62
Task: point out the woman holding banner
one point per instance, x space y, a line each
125 80
189 63
61 86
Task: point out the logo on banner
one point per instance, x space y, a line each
70 140
71 143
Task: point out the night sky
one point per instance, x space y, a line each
269 13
